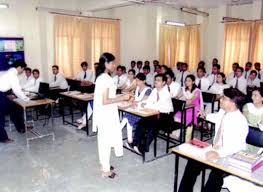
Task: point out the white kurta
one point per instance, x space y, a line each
106 121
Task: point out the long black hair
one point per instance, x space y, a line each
105 57
223 77
192 77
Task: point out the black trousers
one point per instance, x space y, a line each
17 116
191 172
3 105
149 128
54 93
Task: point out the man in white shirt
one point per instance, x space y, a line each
180 77
209 68
247 71
177 69
34 86
149 76
201 81
159 100
120 78
232 75
239 82
139 67
173 87
213 76
230 137
85 76
155 63
253 80
258 69
26 79
133 65
9 80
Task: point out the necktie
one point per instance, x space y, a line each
199 84
236 84
169 88
259 75
182 79
246 75
118 80
217 141
85 75
214 79
158 97
35 82
55 78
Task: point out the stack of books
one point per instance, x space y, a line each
246 161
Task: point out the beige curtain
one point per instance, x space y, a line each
84 39
257 42
237 44
179 44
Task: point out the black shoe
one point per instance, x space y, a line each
21 131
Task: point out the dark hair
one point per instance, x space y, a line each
236 64
104 58
156 61
123 68
170 73
217 66
257 63
202 63
84 63
253 71
249 63
192 77
147 62
133 62
36 70
55 66
139 62
241 69
19 63
119 67
157 66
164 78
132 70
201 68
179 63
215 59
236 96
141 76
28 69
259 90
165 67
146 67
185 64
223 77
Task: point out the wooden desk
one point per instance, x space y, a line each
222 164
34 104
79 97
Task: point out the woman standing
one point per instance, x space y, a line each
105 114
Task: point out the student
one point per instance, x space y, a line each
239 82
58 81
258 69
157 70
161 101
178 67
133 65
232 75
201 81
34 86
173 87
230 137
210 67
247 71
9 81
120 78
220 84
131 82
139 67
149 77
200 64
142 92
213 76
85 76
180 77
105 114
252 80
155 63
164 69
26 80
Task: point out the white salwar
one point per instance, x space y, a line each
106 121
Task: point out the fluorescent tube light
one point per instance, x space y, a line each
4 6
194 11
175 23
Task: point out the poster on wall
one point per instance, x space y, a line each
11 49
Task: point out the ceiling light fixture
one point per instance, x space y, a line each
194 11
175 23
4 6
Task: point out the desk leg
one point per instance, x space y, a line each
87 120
176 172
72 114
63 111
25 122
52 120
203 180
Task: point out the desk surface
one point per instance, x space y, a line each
78 95
126 107
33 103
222 164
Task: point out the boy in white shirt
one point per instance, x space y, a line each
26 80
232 75
149 76
121 77
230 137
239 82
253 80
201 81
139 67
247 71
34 87
213 76
161 101
173 87
180 77
258 69
177 69
85 76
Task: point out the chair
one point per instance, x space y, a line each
207 129
255 137
209 98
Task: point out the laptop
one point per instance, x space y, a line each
43 91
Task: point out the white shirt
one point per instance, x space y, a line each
60 82
230 77
234 131
204 83
179 78
162 104
212 78
120 81
174 88
9 80
260 74
252 83
89 76
242 84
150 79
246 74
35 85
26 81
218 88
176 71
138 70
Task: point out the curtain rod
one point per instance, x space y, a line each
56 13
242 21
